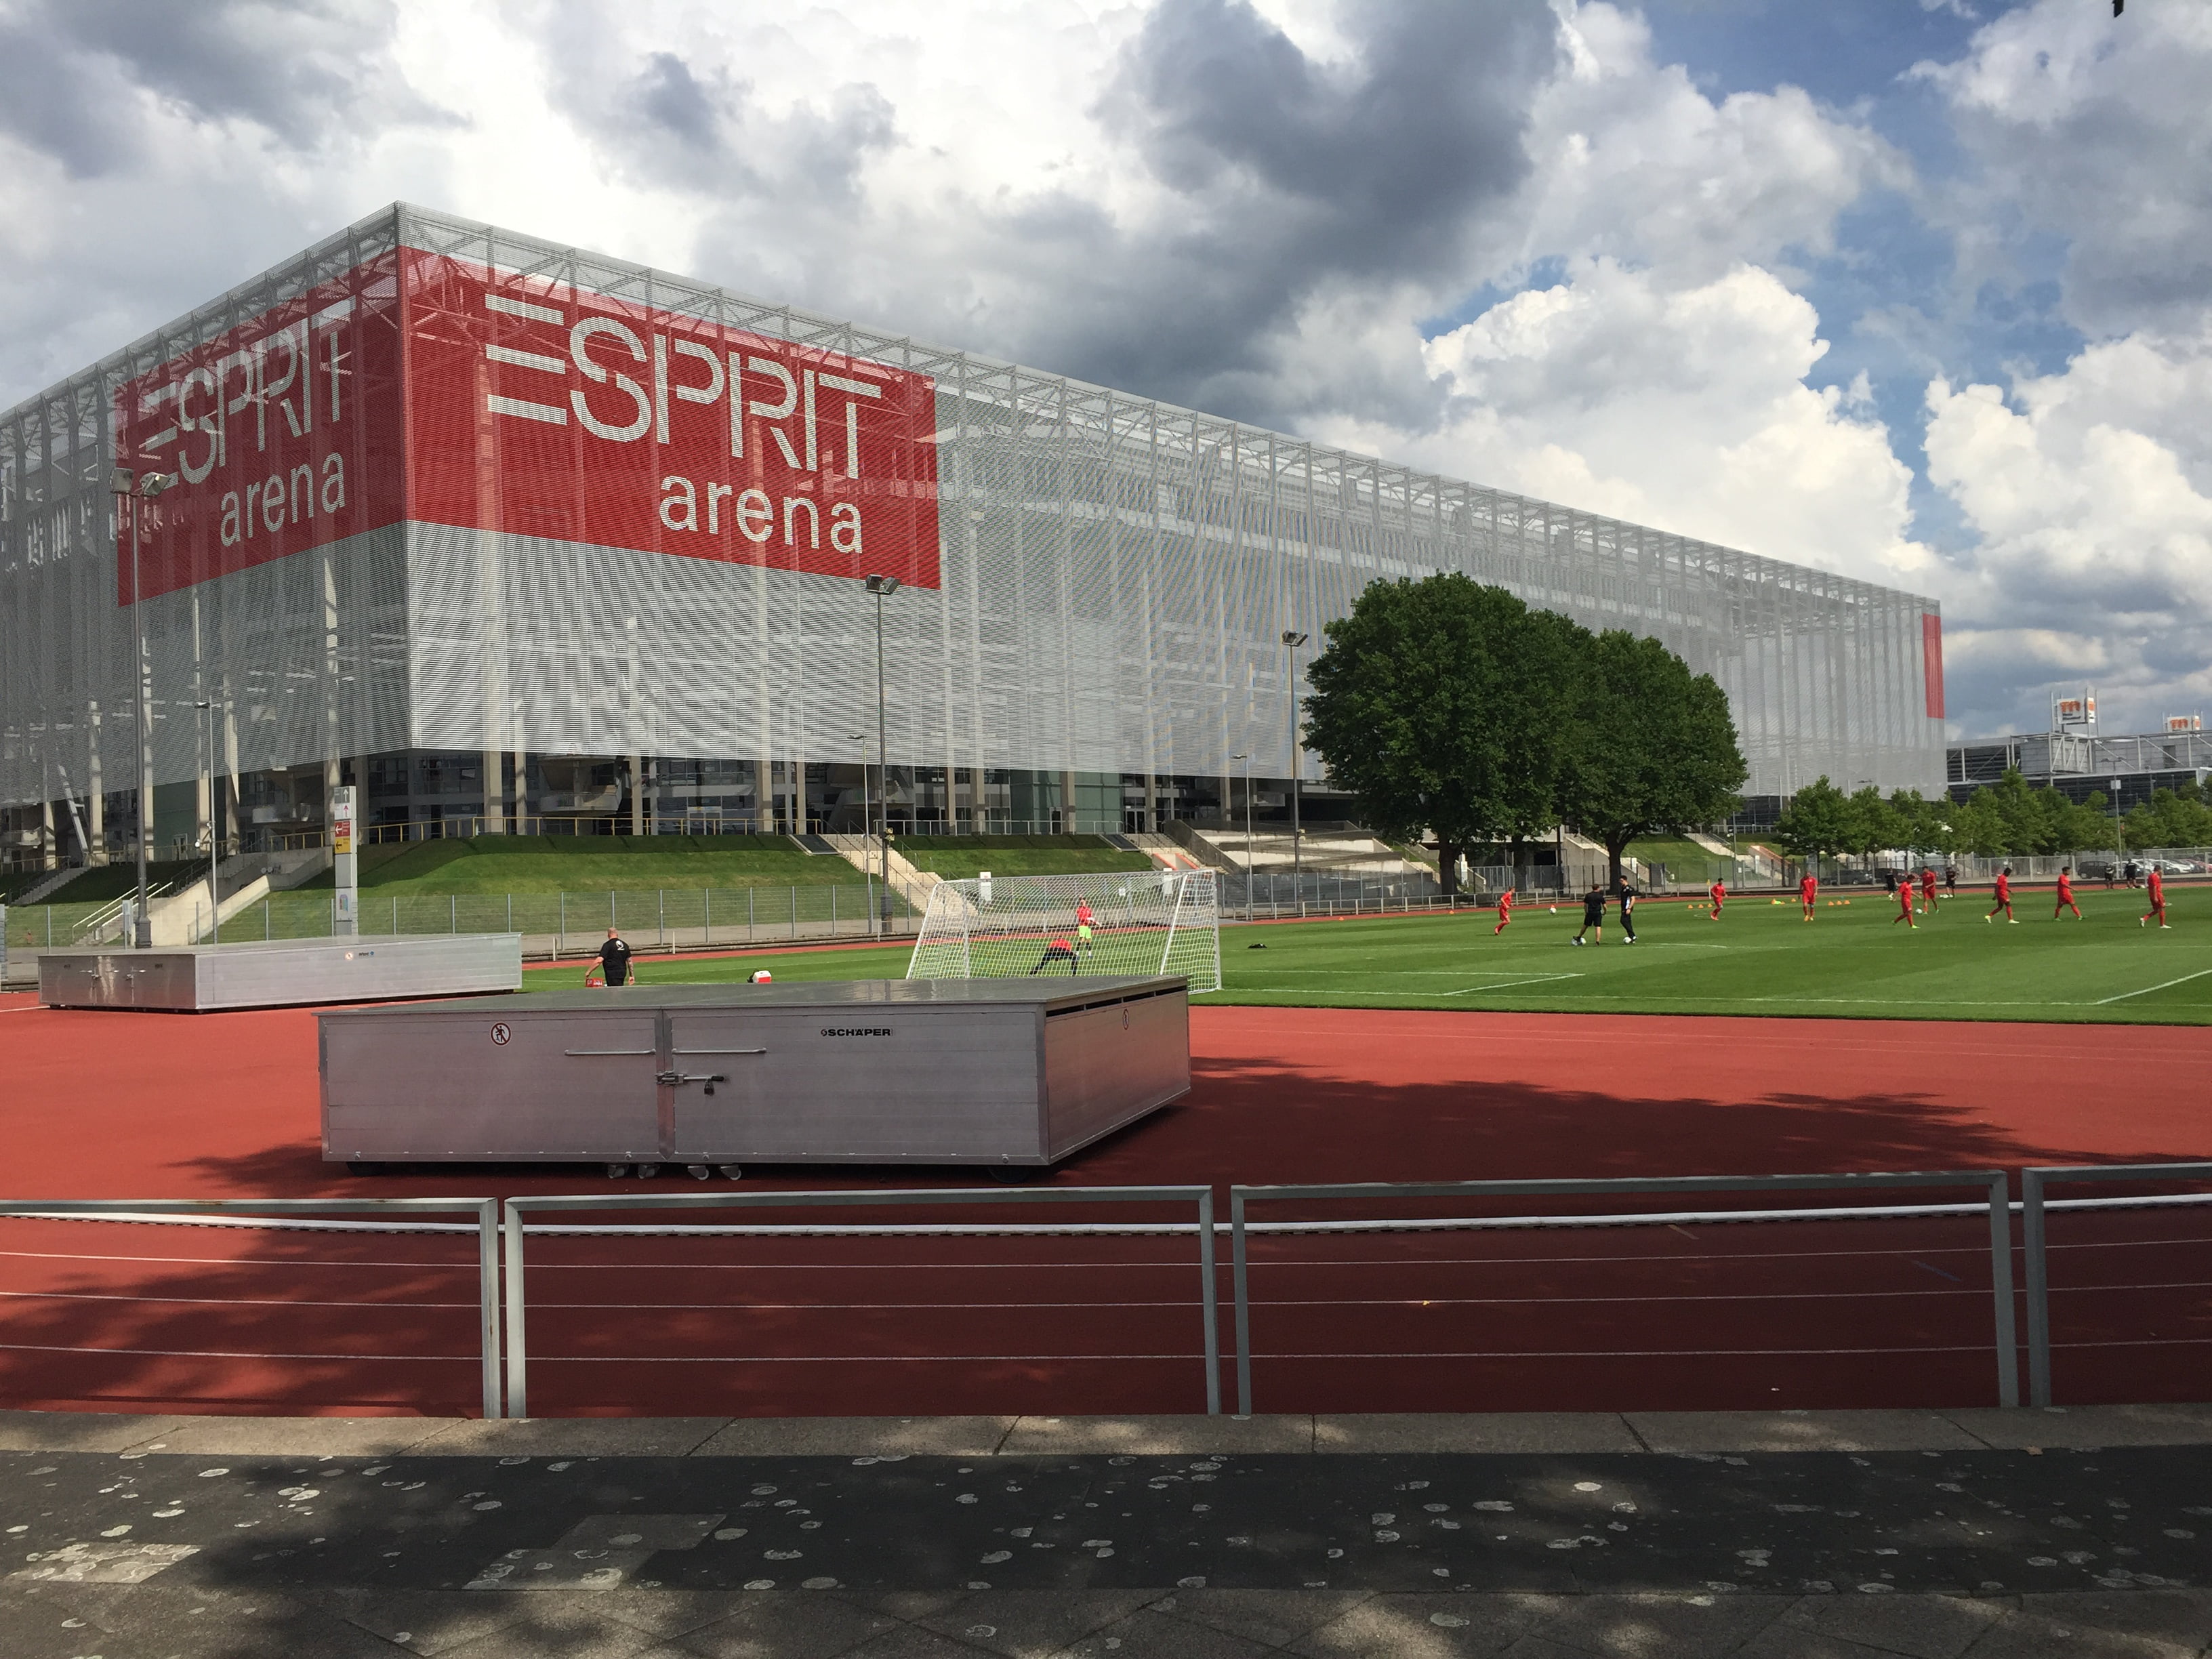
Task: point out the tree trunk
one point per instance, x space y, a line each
1448 867
1519 856
1614 847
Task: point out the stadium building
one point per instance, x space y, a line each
516 536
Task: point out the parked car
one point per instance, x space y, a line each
2174 866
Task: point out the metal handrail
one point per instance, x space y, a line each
1994 1180
517 1381
153 1211
2033 1237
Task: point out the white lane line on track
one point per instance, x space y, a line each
2147 989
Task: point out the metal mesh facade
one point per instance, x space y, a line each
1110 579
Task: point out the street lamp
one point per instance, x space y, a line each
861 737
2119 829
883 587
215 834
129 490
1293 638
1247 758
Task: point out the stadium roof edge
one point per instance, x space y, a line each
397 219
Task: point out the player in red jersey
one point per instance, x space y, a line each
2157 898
1808 884
2066 894
1719 890
1505 912
1926 891
2004 898
1904 906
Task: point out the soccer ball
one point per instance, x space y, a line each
762 976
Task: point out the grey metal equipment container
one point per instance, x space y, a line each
283 972
1006 1072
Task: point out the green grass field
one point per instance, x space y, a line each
1852 962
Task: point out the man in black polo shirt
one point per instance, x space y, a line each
614 959
1593 914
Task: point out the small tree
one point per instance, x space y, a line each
1436 704
1817 822
1653 748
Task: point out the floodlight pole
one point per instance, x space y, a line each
1293 638
882 587
2119 829
128 489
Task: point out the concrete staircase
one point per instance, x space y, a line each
1332 851
866 854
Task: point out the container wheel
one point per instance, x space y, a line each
362 1167
1015 1175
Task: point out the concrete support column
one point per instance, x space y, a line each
493 765
1152 802
1067 803
637 794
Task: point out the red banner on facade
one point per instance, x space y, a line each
546 410
283 434
430 388
1931 661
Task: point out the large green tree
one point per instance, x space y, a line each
1438 704
1818 821
1650 748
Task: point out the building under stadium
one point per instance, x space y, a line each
516 536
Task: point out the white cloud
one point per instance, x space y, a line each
2090 129
2091 493
1633 160
1686 408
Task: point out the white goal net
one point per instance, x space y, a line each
1122 922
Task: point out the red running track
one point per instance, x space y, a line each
127 1317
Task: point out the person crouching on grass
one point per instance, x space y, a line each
1593 914
1059 951
1504 911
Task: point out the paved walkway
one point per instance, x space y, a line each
1980 1534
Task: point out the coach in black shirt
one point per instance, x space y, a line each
614 959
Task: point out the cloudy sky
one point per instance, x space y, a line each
1918 290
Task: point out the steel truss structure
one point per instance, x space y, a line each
1110 583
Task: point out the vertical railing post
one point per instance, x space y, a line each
2001 1277
1242 1291
1209 1303
517 1356
488 1300
2032 1240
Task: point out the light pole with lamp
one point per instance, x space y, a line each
883 587
867 874
1247 758
215 834
129 490
1293 638
2119 829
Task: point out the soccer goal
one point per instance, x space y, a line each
1142 922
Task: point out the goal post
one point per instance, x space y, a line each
1142 923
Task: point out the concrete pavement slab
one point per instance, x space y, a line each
293 1436
1194 1436
1916 1626
1474 1431
856 1437
2088 1426
81 1430
1800 1430
573 1436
